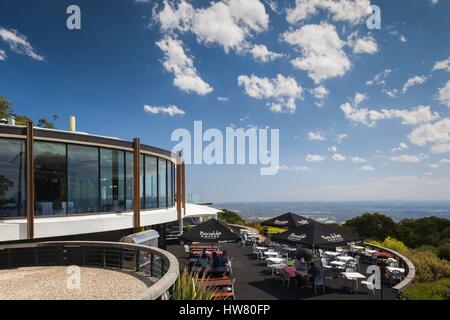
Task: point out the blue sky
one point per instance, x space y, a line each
311 69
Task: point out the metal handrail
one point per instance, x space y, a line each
409 266
163 265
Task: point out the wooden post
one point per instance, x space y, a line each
178 187
183 187
29 180
136 182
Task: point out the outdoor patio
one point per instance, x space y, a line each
253 282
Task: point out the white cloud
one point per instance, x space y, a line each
223 99
407 158
367 167
2 55
171 110
441 148
338 157
444 94
293 168
321 51
262 54
317 136
284 90
391 93
351 11
401 147
19 43
433 2
420 114
414 81
340 137
442 65
177 62
366 44
226 23
358 160
435 133
320 94
333 149
359 98
380 78
444 161
314 158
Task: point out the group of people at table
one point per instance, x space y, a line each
325 265
214 266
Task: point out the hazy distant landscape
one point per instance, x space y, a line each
339 211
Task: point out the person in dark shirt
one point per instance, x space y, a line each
217 261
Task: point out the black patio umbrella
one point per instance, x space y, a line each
210 231
315 235
287 220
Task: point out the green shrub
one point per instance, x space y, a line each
439 290
443 251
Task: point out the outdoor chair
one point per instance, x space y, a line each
325 263
395 277
355 280
370 285
287 277
319 282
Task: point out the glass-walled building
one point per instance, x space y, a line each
81 175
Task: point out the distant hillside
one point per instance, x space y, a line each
230 217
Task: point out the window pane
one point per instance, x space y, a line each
50 178
162 183
12 178
129 181
83 179
151 196
112 181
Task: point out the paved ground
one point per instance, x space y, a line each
51 283
253 284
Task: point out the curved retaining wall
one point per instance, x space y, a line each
404 262
160 264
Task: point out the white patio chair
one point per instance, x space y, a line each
370 285
319 282
325 263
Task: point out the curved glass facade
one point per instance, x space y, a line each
77 179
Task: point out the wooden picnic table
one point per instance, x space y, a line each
213 271
216 282
224 294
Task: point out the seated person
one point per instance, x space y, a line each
216 260
301 265
204 260
225 258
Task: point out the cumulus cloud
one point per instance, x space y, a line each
316 136
365 44
321 51
341 137
433 133
380 78
442 65
177 62
260 53
2 55
283 90
314 158
19 44
338 157
367 167
406 158
320 94
332 149
402 146
414 81
418 115
226 23
444 94
358 160
351 11
441 148
171 110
